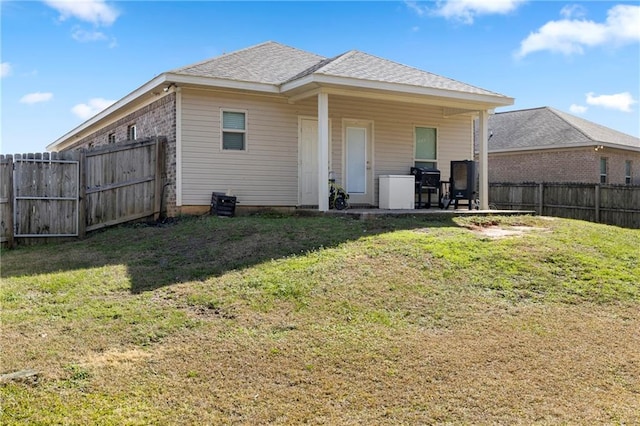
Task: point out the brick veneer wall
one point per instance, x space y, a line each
155 119
581 165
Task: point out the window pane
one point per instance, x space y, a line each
603 166
233 120
425 143
233 141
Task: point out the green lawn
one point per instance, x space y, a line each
277 319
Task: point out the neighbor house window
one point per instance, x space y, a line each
111 138
131 132
234 130
426 153
604 168
627 172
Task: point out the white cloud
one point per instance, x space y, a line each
418 9
466 10
578 109
5 69
37 97
98 12
569 36
91 108
620 101
87 36
573 11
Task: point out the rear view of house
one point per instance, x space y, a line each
269 123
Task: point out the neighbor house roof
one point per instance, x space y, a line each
547 128
277 69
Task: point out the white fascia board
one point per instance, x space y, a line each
148 87
301 82
354 83
221 83
136 94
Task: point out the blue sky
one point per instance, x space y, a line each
63 61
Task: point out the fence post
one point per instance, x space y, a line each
9 201
159 181
82 194
597 203
541 198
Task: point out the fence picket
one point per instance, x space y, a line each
71 192
610 204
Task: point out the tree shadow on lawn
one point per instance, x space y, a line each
197 248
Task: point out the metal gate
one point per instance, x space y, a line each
46 196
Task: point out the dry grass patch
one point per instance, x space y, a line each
327 321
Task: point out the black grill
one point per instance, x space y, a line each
426 180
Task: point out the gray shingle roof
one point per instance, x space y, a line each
274 63
547 127
270 63
360 65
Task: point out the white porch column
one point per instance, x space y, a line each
323 152
483 160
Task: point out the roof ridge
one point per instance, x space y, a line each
237 52
312 69
560 115
520 110
339 58
204 61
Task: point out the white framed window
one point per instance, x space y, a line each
111 137
426 147
233 129
132 134
627 172
604 169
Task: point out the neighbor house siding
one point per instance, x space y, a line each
579 165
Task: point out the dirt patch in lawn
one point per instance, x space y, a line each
502 232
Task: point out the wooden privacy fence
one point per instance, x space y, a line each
610 204
53 195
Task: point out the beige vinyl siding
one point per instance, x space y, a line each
266 174
393 139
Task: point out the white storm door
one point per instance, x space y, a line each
308 162
358 182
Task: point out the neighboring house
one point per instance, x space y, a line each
269 123
547 145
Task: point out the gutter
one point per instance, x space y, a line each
164 78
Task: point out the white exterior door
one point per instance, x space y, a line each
358 162
308 162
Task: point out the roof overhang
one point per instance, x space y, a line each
154 87
299 89
312 84
67 139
